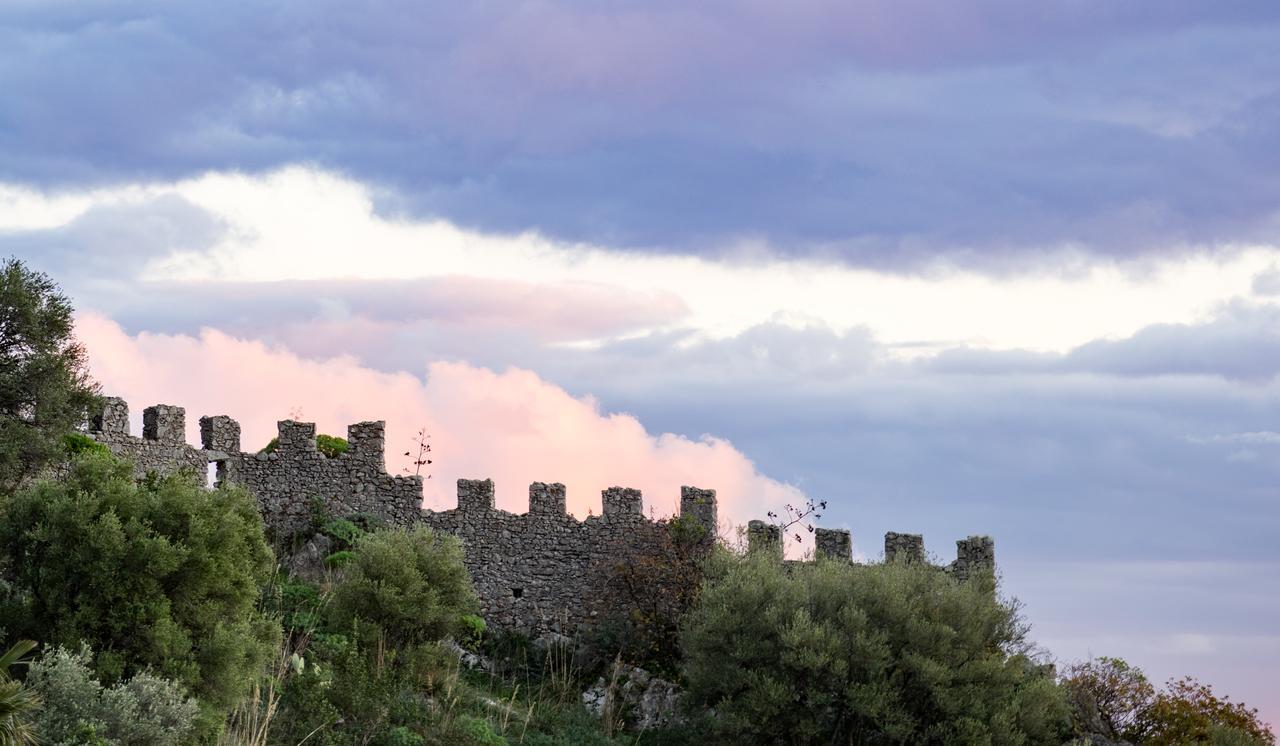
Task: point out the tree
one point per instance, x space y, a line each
1188 711
160 575
1108 698
409 584
641 587
45 389
1111 699
832 652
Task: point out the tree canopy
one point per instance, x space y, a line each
45 388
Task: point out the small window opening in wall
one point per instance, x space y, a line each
517 592
211 475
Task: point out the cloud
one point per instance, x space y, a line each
302 244
872 133
1240 341
512 426
1265 437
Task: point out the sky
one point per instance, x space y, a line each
985 268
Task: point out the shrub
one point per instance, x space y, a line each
343 531
833 652
18 703
479 732
78 444
144 709
159 575
408 584
329 445
351 693
340 559
642 588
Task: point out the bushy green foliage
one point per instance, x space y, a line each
18 703
45 389
144 709
340 559
329 445
352 693
479 732
1114 700
299 605
159 575
78 444
343 532
408 585
833 652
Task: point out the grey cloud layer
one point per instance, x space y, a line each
883 133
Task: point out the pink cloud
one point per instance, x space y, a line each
511 426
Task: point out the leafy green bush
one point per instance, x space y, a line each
478 732
351 693
329 445
343 531
340 559
473 628
78 444
144 709
407 584
159 575
834 652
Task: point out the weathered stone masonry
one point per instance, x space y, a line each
531 570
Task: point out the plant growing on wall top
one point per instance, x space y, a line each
424 453
803 515
330 445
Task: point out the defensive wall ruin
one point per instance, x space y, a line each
531 570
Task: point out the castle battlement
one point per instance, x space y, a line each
531 570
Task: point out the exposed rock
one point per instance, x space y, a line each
473 661
308 562
635 697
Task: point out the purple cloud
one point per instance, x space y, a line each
880 133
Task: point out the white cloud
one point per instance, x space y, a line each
300 223
1262 437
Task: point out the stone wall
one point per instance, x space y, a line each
163 446
296 479
531 570
534 570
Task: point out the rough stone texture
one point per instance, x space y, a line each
531 570
296 479
903 547
701 505
220 433
833 544
635 696
974 554
764 537
161 449
308 563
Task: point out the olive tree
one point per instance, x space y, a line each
45 389
831 652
